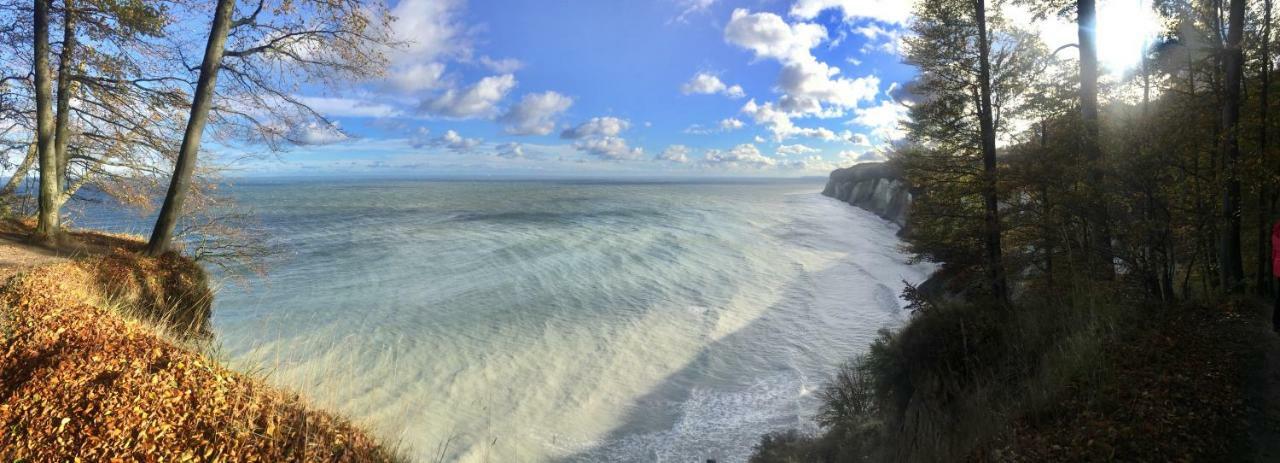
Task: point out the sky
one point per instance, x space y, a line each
649 88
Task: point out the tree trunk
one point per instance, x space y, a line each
184 168
19 174
1231 265
1101 253
1263 273
62 133
995 257
47 229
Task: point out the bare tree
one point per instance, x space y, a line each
322 41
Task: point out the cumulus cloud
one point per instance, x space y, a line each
536 113
854 157
675 153
855 138
431 34
725 125
456 143
809 87
779 122
811 163
744 155
501 66
884 120
478 100
704 83
416 77
730 124
889 11
606 126
317 133
609 147
599 137
796 149
347 107
769 36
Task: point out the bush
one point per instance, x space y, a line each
953 378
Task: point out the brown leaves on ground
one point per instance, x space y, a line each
1172 391
81 381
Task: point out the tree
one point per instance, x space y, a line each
185 164
47 228
1264 207
314 40
995 265
108 114
973 76
1231 264
1100 231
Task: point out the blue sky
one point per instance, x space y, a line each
595 87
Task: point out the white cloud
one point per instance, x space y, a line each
779 122
431 35
811 163
809 87
675 153
854 157
796 149
884 120
456 143
889 11
881 39
692 7
725 125
509 150
808 84
317 133
609 147
411 78
347 107
704 83
419 138
599 137
744 155
536 113
478 100
855 138
501 66
769 36
606 126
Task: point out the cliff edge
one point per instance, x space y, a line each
875 186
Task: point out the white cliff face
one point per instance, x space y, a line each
876 187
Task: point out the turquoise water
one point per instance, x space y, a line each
563 321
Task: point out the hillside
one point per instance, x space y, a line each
100 360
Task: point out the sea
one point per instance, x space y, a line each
580 320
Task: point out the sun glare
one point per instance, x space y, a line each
1125 28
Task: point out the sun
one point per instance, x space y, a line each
1125 29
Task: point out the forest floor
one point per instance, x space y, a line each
17 252
1192 384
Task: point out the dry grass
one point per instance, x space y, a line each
89 371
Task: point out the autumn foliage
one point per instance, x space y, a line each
81 379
